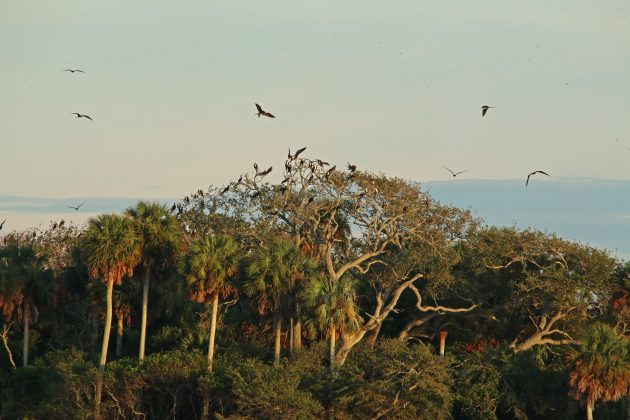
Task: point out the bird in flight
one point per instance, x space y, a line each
455 173
262 112
77 207
485 109
534 173
74 70
82 115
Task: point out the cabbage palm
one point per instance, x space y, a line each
601 367
28 283
161 236
112 249
209 268
273 274
334 308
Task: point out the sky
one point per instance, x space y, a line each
393 87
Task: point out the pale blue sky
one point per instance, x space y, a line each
390 86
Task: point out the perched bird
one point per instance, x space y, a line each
534 173
285 180
173 208
310 200
297 153
256 167
74 70
77 207
54 226
485 109
240 178
263 173
262 112
455 173
2 224
322 163
352 168
82 116
61 223
330 171
200 192
226 189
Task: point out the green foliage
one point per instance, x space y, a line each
395 380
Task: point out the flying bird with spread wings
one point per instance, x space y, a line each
485 109
74 70
534 173
455 173
263 112
77 207
81 115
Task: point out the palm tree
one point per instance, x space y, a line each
209 268
161 236
31 285
601 367
112 249
273 273
334 307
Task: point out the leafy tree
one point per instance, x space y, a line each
31 285
334 307
601 367
161 237
113 251
273 273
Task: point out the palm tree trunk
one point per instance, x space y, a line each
589 410
332 348
145 304
291 336
213 329
119 335
25 341
278 332
205 409
297 335
443 335
101 365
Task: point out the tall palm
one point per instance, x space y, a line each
273 274
30 285
112 248
601 367
334 307
161 236
210 267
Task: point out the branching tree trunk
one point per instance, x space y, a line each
5 340
544 333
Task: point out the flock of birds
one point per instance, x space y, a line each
484 111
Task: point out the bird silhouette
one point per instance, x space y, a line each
61 223
330 171
352 168
82 115
455 173
240 178
256 167
77 207
485 109
173 208
263 173
262 112
74 70
322 163
534 173
200 192
226 189
54 226
2 224
298 152
310 200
